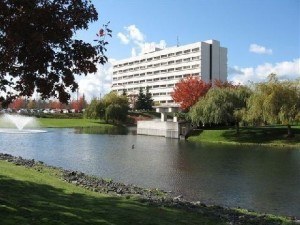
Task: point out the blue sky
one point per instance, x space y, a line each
262 36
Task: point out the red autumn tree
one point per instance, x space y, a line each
188 91
17 104
55 104
79 104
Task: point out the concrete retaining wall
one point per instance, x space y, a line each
158 128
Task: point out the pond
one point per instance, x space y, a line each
259 178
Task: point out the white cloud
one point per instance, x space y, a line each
255 48
123 38
149 46
94 85
284 70
138 40
135 33
133 52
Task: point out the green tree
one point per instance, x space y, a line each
114 98
140 103
116 112
148 100
101 109
39 50
93 111
274 102
144 101
116 107
220 106
111 107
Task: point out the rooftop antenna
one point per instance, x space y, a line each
177 41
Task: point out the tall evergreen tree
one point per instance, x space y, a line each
148 100
140 103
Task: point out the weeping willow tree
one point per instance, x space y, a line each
221 106
112 107
275 102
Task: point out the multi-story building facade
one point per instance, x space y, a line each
161 69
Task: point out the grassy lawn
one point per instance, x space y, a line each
248 135
37 196
70 123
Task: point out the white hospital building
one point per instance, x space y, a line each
161 69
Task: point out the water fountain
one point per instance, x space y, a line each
18 124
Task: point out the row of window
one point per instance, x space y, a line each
153 94
169 101
150 87
158 57
161 94
154 80
171 62
158 72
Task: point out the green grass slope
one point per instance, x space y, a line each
37 196
248 135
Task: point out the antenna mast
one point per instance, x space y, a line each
177 41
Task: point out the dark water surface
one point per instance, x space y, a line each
264 179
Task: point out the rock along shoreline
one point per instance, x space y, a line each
153 197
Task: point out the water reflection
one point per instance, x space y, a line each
253 177
120 130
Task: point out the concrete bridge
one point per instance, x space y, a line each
165 128
164 110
